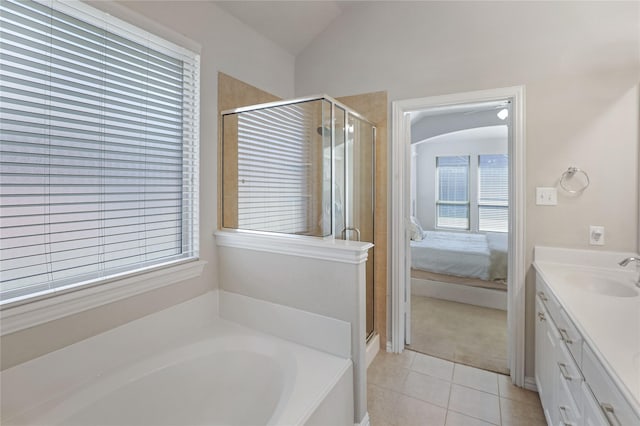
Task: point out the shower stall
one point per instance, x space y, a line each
302 167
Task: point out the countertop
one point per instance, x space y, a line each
610 325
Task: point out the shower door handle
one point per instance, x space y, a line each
345 230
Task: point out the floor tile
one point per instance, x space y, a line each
381 403
427 388
457 419
386 376
404 359
389 370
475 378
475 403
410 411
433 366
510 391
516 413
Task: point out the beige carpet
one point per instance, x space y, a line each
461 333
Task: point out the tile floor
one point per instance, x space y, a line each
467 334
416 389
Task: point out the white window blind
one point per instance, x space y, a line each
452 204
493 193
99 148
274 168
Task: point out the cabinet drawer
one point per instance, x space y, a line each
568 410
548 299
614 406
591 411
570 336
569 374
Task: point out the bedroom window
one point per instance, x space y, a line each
493 193
98 148
452 204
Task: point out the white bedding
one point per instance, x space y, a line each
482 256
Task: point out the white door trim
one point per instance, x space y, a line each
400 199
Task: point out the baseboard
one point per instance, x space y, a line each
530 384
484 297
365 421
373 346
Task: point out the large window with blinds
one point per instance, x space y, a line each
99 149
452 205
493 193
457 177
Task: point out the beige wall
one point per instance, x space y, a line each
226 45
579 62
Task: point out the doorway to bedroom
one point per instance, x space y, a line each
459 233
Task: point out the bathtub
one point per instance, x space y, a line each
212 373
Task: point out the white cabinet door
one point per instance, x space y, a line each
547 339
591 411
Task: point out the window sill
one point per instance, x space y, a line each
16 317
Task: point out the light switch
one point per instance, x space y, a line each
596 235
546 196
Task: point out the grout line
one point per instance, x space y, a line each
500 408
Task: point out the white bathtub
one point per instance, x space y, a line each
218 373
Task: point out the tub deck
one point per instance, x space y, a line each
183 365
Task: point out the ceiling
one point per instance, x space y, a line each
290 24
467 108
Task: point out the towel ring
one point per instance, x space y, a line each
571 171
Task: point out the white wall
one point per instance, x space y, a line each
472 142
226 45
579 61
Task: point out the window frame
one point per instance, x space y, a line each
466 203
35 308
473 204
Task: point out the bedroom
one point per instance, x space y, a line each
459 233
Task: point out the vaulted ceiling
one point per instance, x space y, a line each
290 24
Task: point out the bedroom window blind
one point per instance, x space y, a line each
493 193
98 149
452 205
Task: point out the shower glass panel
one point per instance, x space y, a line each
357 171
276 171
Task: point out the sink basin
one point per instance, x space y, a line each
622 286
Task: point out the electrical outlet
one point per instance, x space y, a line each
546 196
596 235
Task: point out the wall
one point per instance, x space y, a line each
226 45
472 142
579 61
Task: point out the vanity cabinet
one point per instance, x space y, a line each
574 387
547 339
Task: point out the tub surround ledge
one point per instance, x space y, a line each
330 249
80 383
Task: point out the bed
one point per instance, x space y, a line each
465 257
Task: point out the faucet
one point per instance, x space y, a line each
628 260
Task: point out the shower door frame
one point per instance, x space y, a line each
400 199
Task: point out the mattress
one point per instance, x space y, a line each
482 256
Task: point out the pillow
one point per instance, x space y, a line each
415 230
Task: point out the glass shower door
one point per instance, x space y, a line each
357 168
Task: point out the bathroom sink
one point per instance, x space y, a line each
614 286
